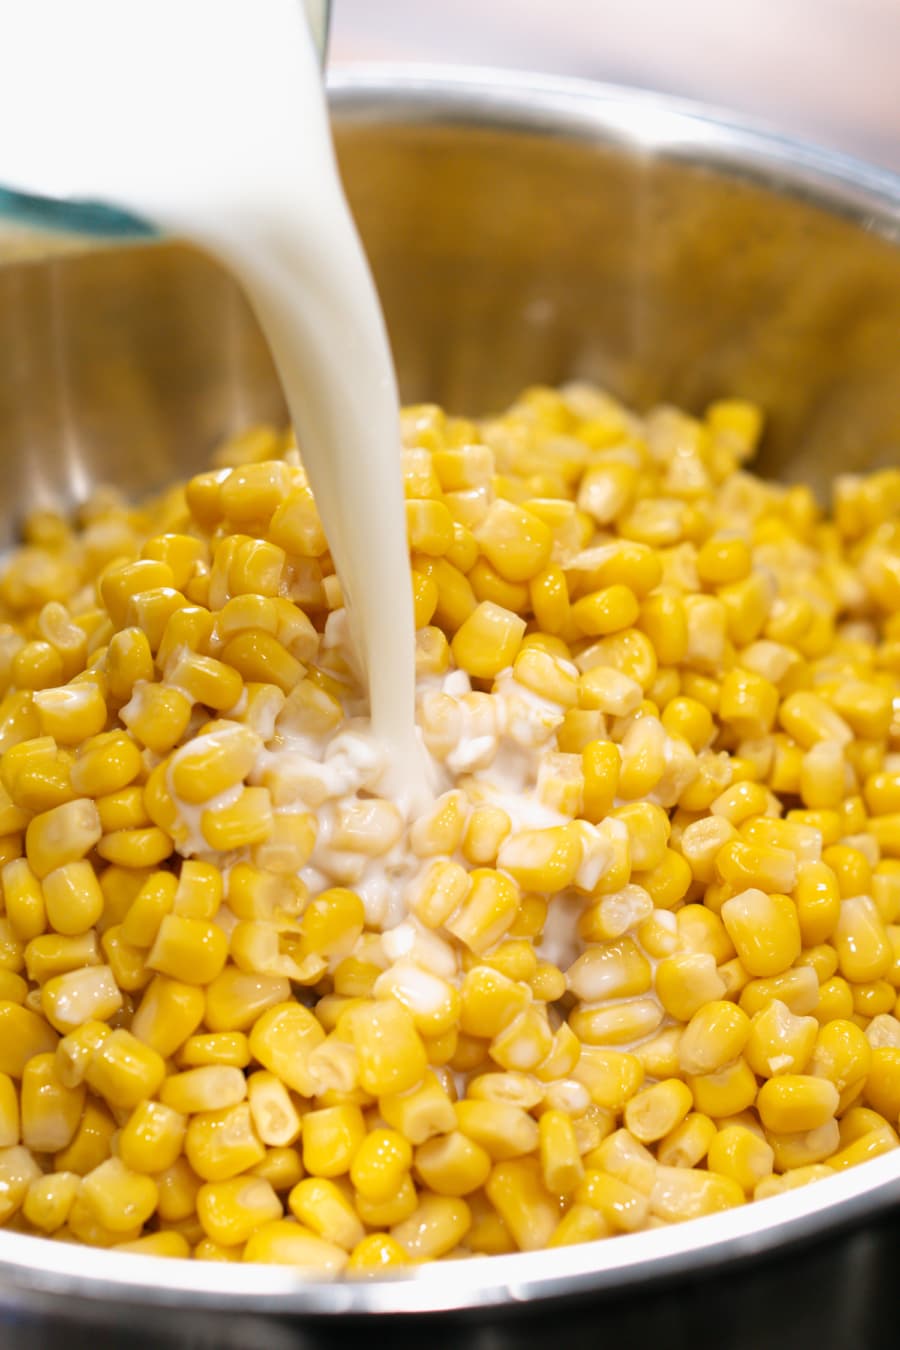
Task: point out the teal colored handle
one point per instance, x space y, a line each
72 217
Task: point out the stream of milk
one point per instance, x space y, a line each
208 118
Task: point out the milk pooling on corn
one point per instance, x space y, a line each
209 119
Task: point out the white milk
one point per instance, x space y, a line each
208 118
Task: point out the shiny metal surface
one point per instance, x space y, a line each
519 230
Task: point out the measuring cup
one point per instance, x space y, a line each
38 224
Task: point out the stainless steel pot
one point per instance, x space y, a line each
520 230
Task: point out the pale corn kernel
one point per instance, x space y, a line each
323 1207
686 981
623 1207
618 1024
124 1071
656 1110
688 1143
715 1036
50 1111
681 1193
117 1198
726 1092
209 1088
80 996
219 1145
64 834
779 1041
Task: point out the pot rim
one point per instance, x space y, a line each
33 1269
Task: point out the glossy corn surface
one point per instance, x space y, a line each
637 962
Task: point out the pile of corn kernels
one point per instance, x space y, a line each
638 962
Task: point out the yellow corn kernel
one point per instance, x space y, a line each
726 1092
818 900
686 981
421 1112
200 889
623 1207
796 1102
123 810
9 1112
503 1130
488 910
386 1213
236 998
681 1193
391 1055
192 951
648 829
580 1223
835 1000
73 898
701 930
213 762
765 930
232 1210
600 765
24 899
281 1167
514 540
79 996
188 630
222 1144
18 1171
656 1110
738 1153
152 1138
864 952
324 1208
124 1071
610 970
882 1086
485 831
143 847
542 860
374 1253
64 834
331 1139
617 1024
211 1087
756 866
50 1111
688 1143
425 598
118 1198
245 821
282 1041
747 703
92 1142
452 1164
780 1041
714 1037
380 1164
49 1199
620 1155
157 715
611 1077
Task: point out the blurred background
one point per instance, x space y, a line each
824 70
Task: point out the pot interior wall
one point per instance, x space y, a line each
504 256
